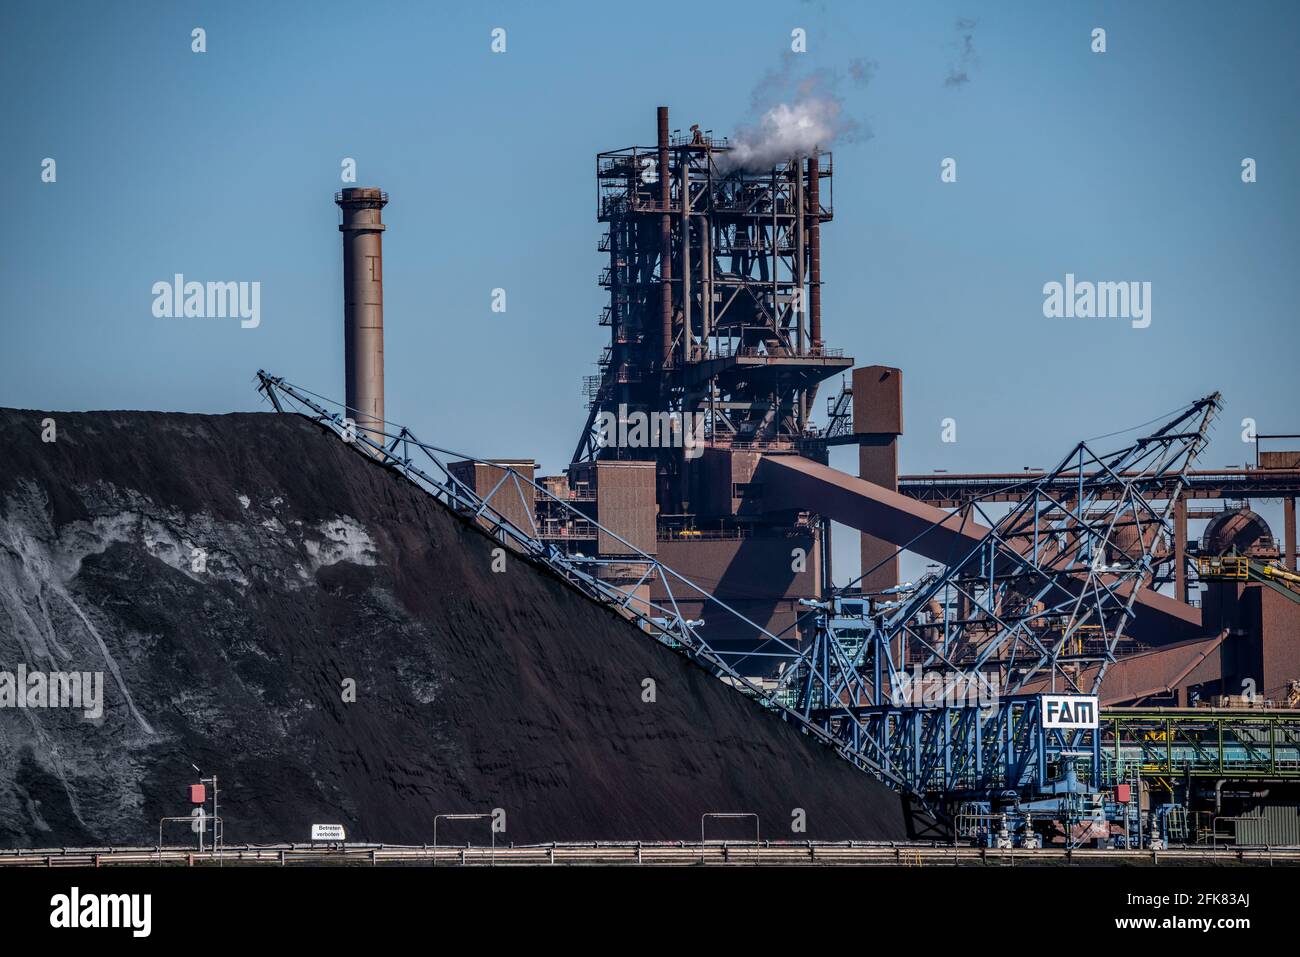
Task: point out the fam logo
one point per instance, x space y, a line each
1068 711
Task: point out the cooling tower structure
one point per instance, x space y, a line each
363 305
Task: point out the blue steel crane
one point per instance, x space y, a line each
948 682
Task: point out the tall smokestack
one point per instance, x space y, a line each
665 244
814 253
363 307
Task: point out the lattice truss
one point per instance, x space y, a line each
1044 599
1041 601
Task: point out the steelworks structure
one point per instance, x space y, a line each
714 318
842 688
1037 603
714 279
722 551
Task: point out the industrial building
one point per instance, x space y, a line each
700 463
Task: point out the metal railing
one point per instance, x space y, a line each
383 197
727 815
775 352
647 853
465 817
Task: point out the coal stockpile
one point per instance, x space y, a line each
238 580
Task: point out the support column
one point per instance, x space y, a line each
877 424
688 344
814 254
827 582
665 244
1290 560
1180 549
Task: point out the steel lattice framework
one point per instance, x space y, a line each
714 312
1048 592
1039 604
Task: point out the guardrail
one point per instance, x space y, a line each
645 853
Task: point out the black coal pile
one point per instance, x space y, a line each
266 603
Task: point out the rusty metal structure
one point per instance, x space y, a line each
715 326
699 502
1217 638
714 281
715 329
715 316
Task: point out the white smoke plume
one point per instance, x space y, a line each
784 131
793 116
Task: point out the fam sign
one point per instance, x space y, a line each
1069 711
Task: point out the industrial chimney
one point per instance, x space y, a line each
363 307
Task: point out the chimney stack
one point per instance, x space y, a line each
363 307
665 244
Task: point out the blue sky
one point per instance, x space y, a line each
222 166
